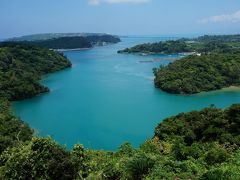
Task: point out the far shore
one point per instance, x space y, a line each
75 49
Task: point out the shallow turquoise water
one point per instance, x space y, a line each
107 99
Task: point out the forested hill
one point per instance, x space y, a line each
21 67
67 41
202 44
194 74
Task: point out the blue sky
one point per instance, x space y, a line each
121 17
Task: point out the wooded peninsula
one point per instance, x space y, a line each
203 44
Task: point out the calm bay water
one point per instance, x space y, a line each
107 99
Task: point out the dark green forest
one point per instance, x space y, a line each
194 74
195 145
21 67
168 47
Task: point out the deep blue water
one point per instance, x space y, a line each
107 99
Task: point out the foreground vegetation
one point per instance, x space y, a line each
196 145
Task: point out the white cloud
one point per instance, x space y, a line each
233 18
97 2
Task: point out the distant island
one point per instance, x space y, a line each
47 36
67 40
168 47
202 44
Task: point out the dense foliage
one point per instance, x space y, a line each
12 130
194 74
195 145
167 47
39 159
208 125
222 38
21 67
101 39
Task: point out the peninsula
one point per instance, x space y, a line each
202 44
213 63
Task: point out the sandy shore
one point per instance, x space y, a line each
231 88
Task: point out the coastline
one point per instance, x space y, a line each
75 49
225 89
157 53
231 88
81 49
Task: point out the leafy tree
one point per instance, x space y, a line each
41 158
140 165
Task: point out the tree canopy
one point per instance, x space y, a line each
21 67
194 74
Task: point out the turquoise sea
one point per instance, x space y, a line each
107 99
